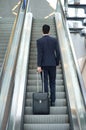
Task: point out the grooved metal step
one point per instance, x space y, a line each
30 88
34 82
58 119
58 102
47 126
5 32
33 76
34 71
59 95
53 110
46 119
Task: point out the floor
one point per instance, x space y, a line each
9 8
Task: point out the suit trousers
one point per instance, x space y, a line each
50 75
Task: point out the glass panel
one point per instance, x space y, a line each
76 12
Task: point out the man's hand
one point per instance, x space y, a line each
39 69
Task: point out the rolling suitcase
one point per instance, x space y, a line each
40 101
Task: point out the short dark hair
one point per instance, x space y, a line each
46 29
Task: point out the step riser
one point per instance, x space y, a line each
59 95
34 89
59 102
46 127
46 119
53 110
31 77
34 82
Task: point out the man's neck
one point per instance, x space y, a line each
45 34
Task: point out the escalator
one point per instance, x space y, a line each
10 33
6 25
58 119
68 112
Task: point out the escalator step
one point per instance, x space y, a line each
34 82
46 119
34 70
6 25
59 95
58 102
46 126
53 110
34 76
30 88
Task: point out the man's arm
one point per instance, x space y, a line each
57 53
39 56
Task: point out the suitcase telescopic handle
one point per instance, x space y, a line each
42 80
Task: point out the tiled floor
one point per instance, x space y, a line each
43 8
9 8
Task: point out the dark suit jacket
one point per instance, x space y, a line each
47 51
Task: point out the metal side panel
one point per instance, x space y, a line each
15 119
5 32
75 97
71 71
8 77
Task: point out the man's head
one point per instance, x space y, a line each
45 29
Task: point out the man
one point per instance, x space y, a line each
47 59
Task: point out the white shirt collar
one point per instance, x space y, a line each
45 34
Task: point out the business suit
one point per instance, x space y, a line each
48 58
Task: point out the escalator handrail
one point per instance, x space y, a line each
7 76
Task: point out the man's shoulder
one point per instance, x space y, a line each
38 40
49 37
53 38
